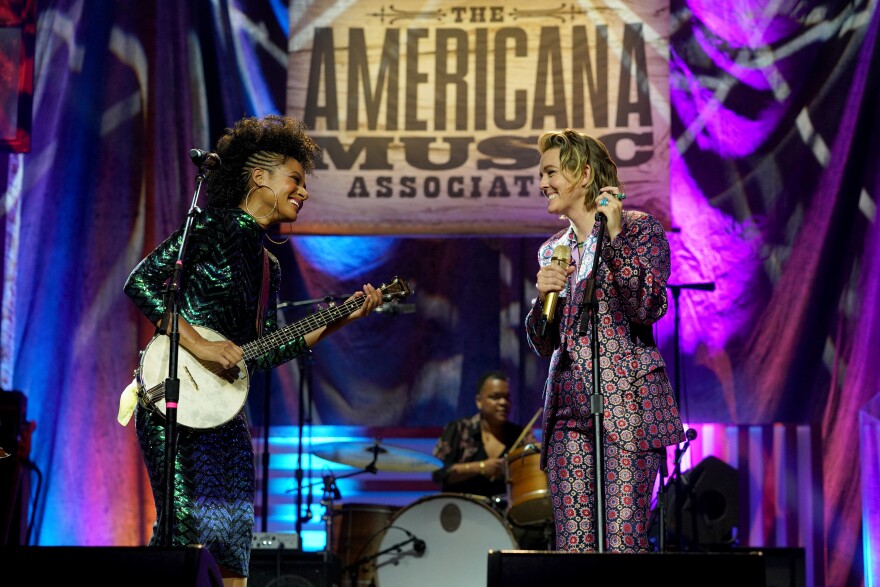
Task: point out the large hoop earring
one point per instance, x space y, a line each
247 199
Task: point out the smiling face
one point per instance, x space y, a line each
493 400
565 194
288 182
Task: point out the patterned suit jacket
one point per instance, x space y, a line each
639 405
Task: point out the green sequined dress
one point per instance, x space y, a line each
214 469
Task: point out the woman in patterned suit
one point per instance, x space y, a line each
261 182
579 179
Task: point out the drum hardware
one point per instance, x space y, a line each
383 456
419 547
354 569
456 530
332 493
534 536
371 457
358 530
499 502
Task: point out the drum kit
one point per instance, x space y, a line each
442 538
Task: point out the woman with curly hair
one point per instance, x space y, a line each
261 182
640 415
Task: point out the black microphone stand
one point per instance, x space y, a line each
676 291
682 493
661 505
332 493
305 404
690 434
267 413
597 400
172 383
305 419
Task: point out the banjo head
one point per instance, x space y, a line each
210 396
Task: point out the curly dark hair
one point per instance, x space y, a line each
272 137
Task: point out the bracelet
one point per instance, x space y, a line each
482 467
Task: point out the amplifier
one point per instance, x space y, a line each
275 540
520 568
289 568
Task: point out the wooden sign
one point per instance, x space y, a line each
428 113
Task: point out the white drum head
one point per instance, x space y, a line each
458 532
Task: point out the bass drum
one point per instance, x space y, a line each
457 530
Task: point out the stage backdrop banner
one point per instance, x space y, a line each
428 113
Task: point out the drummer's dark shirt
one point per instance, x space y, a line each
462 442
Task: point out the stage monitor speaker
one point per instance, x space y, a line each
702 508
784 567
14 469
13 411
111 566
521 568
284 567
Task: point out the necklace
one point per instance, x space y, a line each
270 239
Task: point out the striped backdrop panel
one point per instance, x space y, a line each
779 471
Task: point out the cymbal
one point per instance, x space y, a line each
388 458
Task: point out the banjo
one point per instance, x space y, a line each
211 395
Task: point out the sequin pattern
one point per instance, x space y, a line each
214 469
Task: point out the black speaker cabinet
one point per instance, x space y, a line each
521 568
783 567
284 567
111 566
14 470
702 508
13 408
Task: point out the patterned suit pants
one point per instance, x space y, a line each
629 483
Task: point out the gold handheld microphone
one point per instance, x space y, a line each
562 257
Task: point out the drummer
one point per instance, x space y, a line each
474 449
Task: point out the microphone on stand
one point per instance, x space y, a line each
690 434
309 500
419 546
200 158
562 257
